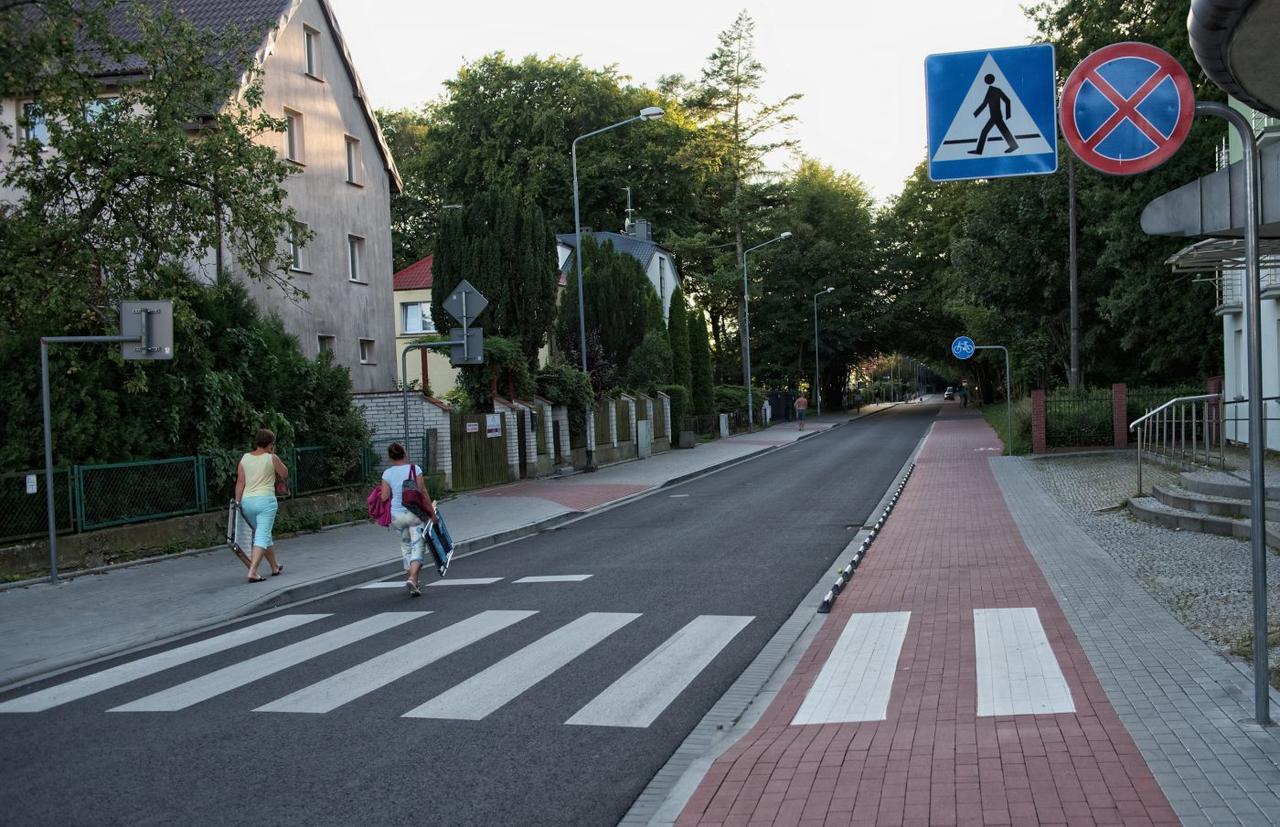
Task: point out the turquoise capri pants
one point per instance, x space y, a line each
261 511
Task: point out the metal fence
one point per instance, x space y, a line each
88 497
1079 417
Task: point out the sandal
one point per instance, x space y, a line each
278 572
256 579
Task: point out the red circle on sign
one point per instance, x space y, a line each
1126 108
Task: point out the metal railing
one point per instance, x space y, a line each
1188 428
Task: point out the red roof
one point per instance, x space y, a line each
416 276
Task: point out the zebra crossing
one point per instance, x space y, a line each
635 699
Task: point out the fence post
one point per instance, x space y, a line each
1039 445
202 490
77 486
1120 415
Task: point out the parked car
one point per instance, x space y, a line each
950 393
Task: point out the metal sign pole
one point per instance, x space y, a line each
1257 432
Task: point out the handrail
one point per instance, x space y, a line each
1205 397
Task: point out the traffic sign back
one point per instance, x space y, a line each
464 302
1127 108
991 113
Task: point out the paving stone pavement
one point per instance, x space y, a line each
1189 710
950 555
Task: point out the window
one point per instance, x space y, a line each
311 44
34 127
94 109
325 343
293 136
355 252
297 248
366 352
353 160
415 317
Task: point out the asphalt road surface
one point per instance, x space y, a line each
505 702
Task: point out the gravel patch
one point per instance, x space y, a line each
1204 580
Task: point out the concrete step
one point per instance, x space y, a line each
1153 511
1176 497
1229 484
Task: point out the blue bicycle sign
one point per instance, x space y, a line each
962 347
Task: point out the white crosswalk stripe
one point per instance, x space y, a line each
857 679
464 581
640 696
1017 671
232 677
554 578
364 678
477 697
143 667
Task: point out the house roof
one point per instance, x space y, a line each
641 251
261 19
416 276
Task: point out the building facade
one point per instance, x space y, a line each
342 192
427 367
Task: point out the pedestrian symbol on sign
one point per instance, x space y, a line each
991 104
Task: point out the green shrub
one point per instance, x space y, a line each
650 364
679 404
562 384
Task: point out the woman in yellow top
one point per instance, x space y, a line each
256 492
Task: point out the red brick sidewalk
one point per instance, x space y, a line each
950 547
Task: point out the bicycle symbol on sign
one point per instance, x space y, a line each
963 347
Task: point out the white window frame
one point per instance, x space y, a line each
294 141
428 323
326 338
311 52
31 131
371 356
297 250
354 167
355 256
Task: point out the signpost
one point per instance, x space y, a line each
466 346
991 113
1126 109
146 334
963 348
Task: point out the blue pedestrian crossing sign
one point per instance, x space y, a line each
992 113
963 347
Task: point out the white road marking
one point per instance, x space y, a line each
395 584
488 691
233 677
463 581
554 578
640 696
133 670
363 678
856 681
1018 673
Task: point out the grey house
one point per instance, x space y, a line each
342 192
636 241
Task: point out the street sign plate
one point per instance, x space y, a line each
963 347
1127 108
465 302
992 113
153 319
475 346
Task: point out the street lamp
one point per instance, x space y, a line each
817 377
746 322
649 113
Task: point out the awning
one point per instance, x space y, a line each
1235 43
1213 255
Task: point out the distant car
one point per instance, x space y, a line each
950 393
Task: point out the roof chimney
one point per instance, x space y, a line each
641 229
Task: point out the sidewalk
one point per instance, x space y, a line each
48 627
947 686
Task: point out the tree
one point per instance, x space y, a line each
702 394
650 364
678 340
616 297
503 246
416 209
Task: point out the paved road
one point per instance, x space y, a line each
498 703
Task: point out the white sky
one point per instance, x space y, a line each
860 64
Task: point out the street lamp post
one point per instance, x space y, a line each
647 114
817 376
746 322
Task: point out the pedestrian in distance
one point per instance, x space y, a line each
857 401
409 519
260 476
964 397
802 405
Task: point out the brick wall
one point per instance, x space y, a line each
384 414
1120 414
1039 444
